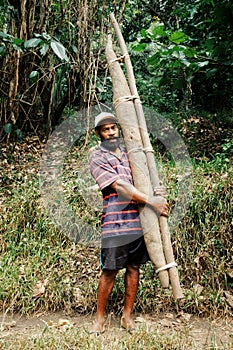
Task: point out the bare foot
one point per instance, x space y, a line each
98 327
128 324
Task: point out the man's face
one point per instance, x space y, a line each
109 135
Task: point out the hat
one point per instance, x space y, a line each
104 118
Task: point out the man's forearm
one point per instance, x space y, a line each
129 191
125 189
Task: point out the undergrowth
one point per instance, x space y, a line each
41 269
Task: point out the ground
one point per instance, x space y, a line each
204 333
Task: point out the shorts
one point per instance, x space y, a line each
117 258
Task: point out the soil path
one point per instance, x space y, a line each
202 330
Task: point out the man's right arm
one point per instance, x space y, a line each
125 189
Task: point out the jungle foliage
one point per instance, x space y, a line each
51 52
53 62
188 53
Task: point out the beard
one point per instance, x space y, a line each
110 144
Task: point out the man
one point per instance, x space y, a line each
122 244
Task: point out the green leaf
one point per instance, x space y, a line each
44 49
33 74
178 54
75 49
46 36
153 60
178 37
211 72
59 50
8 128
16 47
34 42
2 50
202 64
17 41
19 134
186 62
144 33
190 52
6 36
158 31
139 47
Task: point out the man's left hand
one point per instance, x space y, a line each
160 191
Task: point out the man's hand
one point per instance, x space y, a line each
160 205
160 191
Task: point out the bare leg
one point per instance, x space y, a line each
131 287
105 287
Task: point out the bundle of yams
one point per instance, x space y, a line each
131 118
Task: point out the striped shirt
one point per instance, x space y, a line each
120 215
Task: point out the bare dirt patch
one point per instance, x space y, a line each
203 333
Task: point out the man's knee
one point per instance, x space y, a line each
133 268
110 274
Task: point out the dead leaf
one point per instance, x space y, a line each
230 273
61 325
39 288
166 323
140 319
229 299
8 325
64 322
198 289
79 298
183 316
22 270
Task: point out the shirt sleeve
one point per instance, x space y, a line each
102 171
